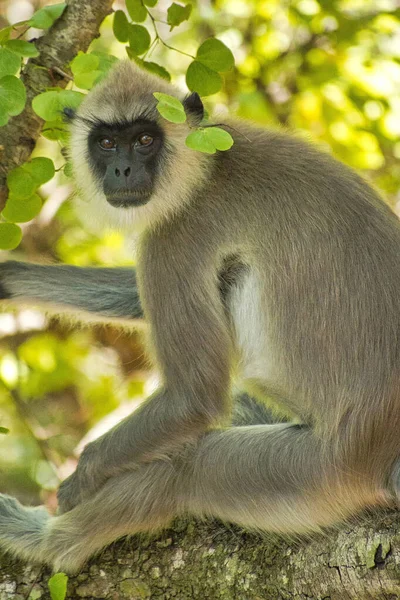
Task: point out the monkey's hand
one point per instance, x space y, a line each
84 483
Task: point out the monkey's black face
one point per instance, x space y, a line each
125 157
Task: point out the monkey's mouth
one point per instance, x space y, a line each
128 199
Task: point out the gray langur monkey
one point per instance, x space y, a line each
271 263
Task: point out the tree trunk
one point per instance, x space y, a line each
198 561
72 32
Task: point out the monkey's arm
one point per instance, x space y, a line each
108 293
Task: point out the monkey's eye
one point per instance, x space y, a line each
145 139
107 143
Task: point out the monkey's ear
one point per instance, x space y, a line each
68 114
194 107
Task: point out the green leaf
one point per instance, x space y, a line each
45 17
68 172
221 139
10 62
18 210
46 105
10 237
215 55
136 10
22 48
106 61
40 168
83 63
153 67
21 183
139 39
199 140
56 130
5 33
86 81
4 430
170 108
49 105
209 140
58 586
85 70
12 97
70 99
202 80
150 3
177 13
121 26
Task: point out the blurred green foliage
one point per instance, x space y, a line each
329 69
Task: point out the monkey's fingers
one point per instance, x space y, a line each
80 487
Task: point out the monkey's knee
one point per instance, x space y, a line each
142 500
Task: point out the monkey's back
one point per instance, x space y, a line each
322 253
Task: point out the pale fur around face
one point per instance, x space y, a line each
125 95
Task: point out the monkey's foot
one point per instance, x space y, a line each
73 491
21 528
83 484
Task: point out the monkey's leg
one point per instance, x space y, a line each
271 477
142 500
278 478
108 293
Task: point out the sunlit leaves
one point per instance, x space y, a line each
215 55
170 108
203 75
10 62
24 180
10 236
153 67
49 105
22 48
85 70
209 140
202 80
46 16
21 184
40 168
121 26
58 586
139 40
5 34
12 98
177 14
18 210
56 130
68 172
136 10
23 203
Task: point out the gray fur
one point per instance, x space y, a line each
312 321
109 293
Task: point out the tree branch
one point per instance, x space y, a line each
72 32
198 561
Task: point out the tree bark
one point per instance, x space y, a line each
197 561
73 31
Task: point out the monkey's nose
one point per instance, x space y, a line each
126 172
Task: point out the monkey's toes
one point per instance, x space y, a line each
69 494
